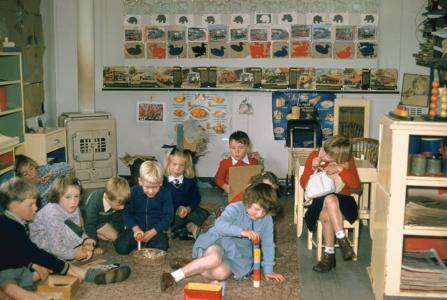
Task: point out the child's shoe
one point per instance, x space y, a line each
108 273
326 263
193 229
346 248
166 281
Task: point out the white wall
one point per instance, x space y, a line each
397 39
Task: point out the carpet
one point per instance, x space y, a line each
143 283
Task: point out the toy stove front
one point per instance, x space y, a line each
91 146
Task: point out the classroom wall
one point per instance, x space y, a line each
397 39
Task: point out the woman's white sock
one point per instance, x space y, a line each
340 234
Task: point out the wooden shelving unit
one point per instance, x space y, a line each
389 227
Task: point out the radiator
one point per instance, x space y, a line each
91 146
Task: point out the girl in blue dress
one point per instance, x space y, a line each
227 247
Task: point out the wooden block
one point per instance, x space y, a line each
52 296
196 291
65 285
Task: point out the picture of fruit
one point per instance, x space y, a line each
179 98
218 114
199 113
219 128
179 112
218 99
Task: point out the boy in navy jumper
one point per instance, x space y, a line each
148 213
180 180
21 262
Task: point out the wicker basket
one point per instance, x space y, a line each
149 257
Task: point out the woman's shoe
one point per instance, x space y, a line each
326 263
346 248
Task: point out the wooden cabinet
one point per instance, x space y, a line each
46 146
394 181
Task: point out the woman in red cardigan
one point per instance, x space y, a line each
335 158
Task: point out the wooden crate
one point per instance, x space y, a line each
55 284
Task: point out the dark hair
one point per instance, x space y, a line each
59 186
21 161
17 189
241 137
264 195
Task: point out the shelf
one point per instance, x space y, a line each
425 230
420 293
10 111
431 181
6 169
112 89
8 82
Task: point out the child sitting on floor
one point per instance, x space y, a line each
227 247
148 213
239 144
21 262
57 226
180 180
102 210
42 176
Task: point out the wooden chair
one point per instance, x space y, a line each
366 148
350 129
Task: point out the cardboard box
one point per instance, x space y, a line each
239 178
208 291
65 285
33 98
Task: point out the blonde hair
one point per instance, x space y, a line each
186 155
151 171
264 195
17 189
339 148
60 185
117 189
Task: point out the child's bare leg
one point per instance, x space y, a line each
107 232
212 258
19 293
331 206
328 230
221 272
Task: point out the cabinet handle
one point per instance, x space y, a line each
56 141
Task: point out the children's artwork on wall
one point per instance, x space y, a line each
116 76
229 77
384 79
369 19
366 33
218 50
133 35
218 33
239 34
154 33
245 107
240 19
306 78
260 49
164 77
366 50
148 111
211 19
329 79
300 49
133 50
198 50
339 18
142 76
156 50
191 77
238 49
415 90
209 111
184 19
301 32
316 18
177 50
344 50
287 18
197 34
280 33
160 19
280 50
275 77
132 20
352 79
264 19
259 33
322 50
344 33
321 32
176 33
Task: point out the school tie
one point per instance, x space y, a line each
177 183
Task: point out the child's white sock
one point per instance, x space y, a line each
178 275
329 250
340 234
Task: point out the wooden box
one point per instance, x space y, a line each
66 285
208 291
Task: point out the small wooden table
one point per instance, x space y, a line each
367 174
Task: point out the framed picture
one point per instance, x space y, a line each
150 112
415 90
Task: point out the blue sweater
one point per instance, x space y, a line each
18 251
148 213
186 194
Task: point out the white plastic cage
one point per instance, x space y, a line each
91 146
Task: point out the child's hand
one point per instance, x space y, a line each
275 276
89 244
139 236
182 211
41 271
250 234
149 235
45 178
226 188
